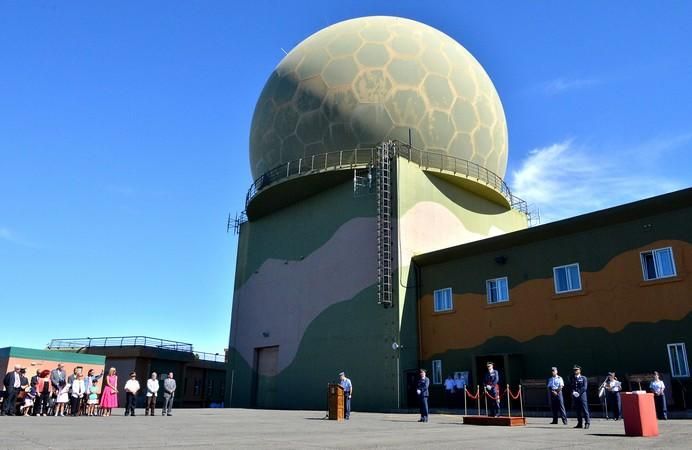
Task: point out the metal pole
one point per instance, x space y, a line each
466 412
478 398
485 397
509 399
521 401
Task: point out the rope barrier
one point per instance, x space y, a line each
472 396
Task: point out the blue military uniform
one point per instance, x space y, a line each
579 391
492 387
557 402
422 390
348 387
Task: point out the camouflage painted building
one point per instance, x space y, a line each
609 290
378 147
323 279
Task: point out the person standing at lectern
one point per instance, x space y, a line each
422 391
348 393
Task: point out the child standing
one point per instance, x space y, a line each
93 398
28 401
61 401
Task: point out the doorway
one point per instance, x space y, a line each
266 371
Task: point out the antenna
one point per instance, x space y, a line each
285 52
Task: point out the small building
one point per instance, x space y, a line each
200 376
37 360
609 290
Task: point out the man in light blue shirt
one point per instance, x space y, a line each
557 402
348 393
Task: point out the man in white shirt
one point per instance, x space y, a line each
12 384
131 389
152 392
459 388
658 387
613 388
557 402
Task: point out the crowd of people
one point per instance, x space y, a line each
54 393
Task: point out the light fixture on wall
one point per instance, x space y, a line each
396 346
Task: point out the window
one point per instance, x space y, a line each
497 290
443 299
658 263
678 360
567 278
437 371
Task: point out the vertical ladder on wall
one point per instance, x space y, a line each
384 224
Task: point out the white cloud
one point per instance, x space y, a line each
560 85
567 179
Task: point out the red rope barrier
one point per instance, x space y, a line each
514 397
469 395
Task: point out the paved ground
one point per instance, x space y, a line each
259 429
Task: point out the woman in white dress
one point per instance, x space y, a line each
61 401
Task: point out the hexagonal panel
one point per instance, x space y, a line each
437 129
285 120
345 44
291 148
341 137
482 141
486 112
313 64
373 55
340 71
435 61
464 116
372 86
339 104
374 33
285 89
405 45
438 92
310 94
371 123
463 83
312 126
406 107
461 147
406 71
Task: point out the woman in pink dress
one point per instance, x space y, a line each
109 396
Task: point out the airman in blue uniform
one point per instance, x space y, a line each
557 402
348 393
492 387
422 390
579 390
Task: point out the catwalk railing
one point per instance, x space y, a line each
132 341
355 158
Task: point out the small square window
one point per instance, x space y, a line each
678 360
443 299
437 371
658 263
497 290
567 278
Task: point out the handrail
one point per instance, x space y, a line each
353 158
132 341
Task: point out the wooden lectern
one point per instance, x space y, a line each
335 401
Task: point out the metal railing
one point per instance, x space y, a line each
355 158
214 357
118 341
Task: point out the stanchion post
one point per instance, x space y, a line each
485 398
509 401
478 398
521 401
465 395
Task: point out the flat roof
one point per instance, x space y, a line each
617 214
50 355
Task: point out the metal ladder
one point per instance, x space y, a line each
384 223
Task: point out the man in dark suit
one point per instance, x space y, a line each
422 390
12 383
579 389
492 388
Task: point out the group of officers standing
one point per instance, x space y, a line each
610 389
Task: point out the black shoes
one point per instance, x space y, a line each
578 426
587 425
564 421
554 422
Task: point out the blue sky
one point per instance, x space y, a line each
124 138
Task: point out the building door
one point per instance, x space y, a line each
266 370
